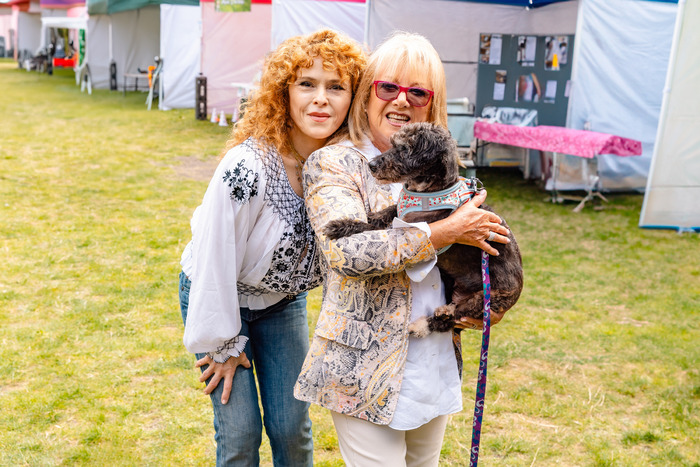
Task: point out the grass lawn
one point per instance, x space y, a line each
597 365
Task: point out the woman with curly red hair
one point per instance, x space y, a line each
253 253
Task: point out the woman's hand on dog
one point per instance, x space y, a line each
470 225
472 323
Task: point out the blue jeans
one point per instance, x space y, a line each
277 345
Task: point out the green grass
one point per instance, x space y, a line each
597 365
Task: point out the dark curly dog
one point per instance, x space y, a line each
424 158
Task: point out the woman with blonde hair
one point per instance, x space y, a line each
389 393
253 256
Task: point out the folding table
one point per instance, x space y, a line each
560 140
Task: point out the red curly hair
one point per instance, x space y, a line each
266 113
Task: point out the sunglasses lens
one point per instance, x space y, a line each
417 97
387 91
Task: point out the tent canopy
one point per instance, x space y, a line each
533 3
61 4
293 17
64 22
108 7
522 3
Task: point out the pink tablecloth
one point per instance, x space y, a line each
557 139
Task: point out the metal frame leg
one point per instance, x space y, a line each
592 186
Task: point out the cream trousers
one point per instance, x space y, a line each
365 444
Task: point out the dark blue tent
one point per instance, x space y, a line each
534 3
522 3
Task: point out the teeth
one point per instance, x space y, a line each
402 118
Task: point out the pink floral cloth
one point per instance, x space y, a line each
580 143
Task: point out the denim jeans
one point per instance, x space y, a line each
277 345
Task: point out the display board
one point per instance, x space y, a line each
526 71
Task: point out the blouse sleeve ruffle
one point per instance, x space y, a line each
232 348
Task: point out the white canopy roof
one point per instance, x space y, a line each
64 22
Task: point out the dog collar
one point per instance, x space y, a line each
450 198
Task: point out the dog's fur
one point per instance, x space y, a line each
424 157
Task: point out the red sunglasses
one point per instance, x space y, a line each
388 91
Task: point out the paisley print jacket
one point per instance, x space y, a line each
357 356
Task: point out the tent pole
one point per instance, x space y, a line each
111 54
368 6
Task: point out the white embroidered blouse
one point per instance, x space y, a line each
252 246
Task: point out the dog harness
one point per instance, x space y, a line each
450 198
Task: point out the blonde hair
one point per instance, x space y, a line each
266 114
401 54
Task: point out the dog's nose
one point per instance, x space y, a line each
373 165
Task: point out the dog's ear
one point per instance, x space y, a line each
438 145
421 140
449 144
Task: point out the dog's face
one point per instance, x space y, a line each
423 157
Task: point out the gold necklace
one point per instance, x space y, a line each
299 161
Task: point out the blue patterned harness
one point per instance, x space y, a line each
450 198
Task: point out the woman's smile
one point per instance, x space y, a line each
387 117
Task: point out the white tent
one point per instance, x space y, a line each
619 67
129 38
233 48
6 29
294 17
132 39
28 29
65 22
180 36
234 45
672 198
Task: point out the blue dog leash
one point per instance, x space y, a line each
481 382
452 198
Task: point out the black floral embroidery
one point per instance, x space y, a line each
243 183
295 265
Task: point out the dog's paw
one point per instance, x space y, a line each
382 219
445 312
334 229
419 328
340 228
